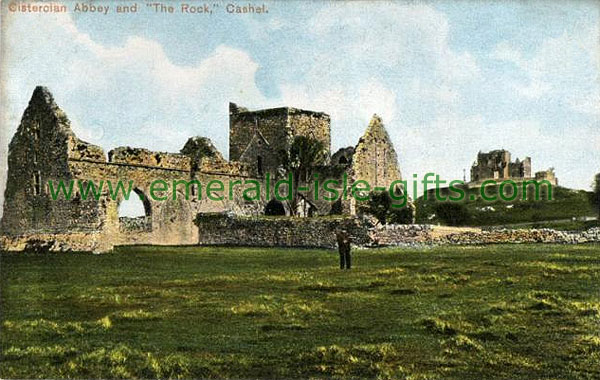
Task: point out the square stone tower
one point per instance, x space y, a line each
258 137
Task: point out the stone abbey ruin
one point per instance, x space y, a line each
45 148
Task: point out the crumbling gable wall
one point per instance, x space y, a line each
374 159
40 151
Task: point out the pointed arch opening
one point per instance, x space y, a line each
275 208
135 213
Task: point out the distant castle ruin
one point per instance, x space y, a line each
497 165
45 148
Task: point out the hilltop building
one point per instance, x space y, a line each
497 165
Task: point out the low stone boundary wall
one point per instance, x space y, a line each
544 235
318 232
400 234
132 224
415 235
79 241
266 231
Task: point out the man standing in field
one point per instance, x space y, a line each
343 241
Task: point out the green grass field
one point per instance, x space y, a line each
496 312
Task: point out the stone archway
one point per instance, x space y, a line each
274 208
135 213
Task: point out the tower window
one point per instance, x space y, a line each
36 130
37 183
259 165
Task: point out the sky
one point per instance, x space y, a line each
449 78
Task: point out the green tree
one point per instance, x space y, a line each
380 205
303 157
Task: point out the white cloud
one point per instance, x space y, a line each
503 51
127 94
160 95
351 60
565 66
384 58
374 97
439 92
534 90
586 103
425 146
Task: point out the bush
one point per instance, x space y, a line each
452 214
381 206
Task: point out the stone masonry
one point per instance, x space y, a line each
45 148
498 166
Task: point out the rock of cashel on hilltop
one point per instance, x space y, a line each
497 165
44 149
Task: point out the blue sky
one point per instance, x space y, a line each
448 78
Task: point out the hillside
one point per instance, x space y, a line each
474 210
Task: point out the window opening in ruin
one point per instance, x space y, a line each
36 130
259 165
37 183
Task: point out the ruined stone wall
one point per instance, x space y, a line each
146 158
44 148
494 164
497 164
39 152
343 156
170 212
526 167
319 232
272 124
260 156
520 169
224 229
547 175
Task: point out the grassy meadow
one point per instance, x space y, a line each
495 312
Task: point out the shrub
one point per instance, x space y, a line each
381 206
453 214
